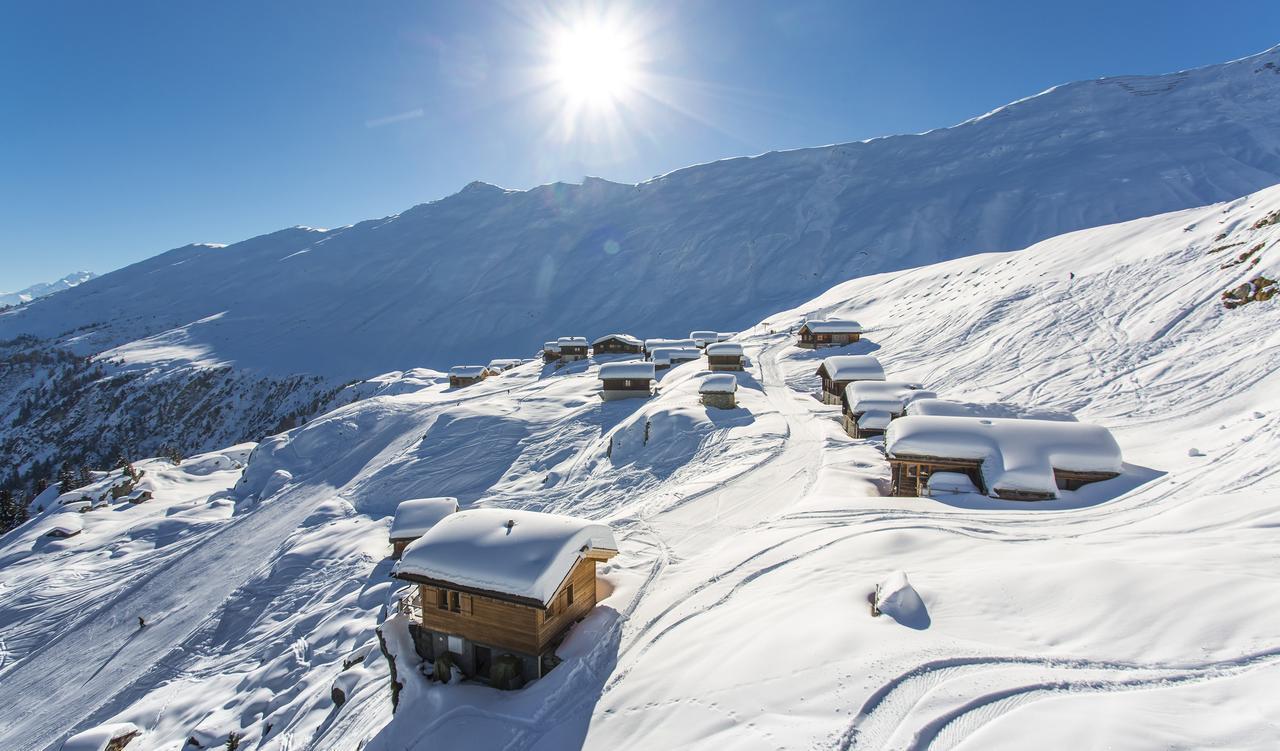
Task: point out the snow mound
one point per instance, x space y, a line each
98 738
896 598
950 408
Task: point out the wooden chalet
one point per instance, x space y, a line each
501 584
724 356
625 380
617 344
572 348
702 338
1012 459
414 518
669 357
550 351
831 333
652 345
869 406
719 390
503 365
838 371
465 375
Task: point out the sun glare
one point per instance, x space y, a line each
593 64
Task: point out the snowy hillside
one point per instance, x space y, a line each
45 288
1135 613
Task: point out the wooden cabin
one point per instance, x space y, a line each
617 344
652 345
1012 459
838 371
719 390
465 375
414 518
724 356
831 333
494 582
572 348
702 338
550 351
626 380
670 357
869 406
503 365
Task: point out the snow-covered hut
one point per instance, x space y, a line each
112 737
66 524
669 357
465 375
617 344
1022 460
869 406
829 333
724 356
572 348
838 371
494 582
703 338
414 517
622 380
654 344
719 390
550 351
503 365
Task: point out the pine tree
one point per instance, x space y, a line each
8 511
86 476
66 479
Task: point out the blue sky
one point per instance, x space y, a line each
130 128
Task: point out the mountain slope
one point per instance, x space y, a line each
45 288
736 614
489 272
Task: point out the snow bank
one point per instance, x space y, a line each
1016 455
896 598
949 408
98 738
853 368
414 517
514 552
636 370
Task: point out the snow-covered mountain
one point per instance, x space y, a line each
1139 614
44 289
491 273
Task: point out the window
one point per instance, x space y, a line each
442 599
568 595
626 383
455 602
456 645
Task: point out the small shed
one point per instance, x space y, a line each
719 390
113 737
572 348
617 344
465 375
66 524
414 517
703 338
828 333
503 365
869 406
624 380
1021 460
838 371
724 356
550 351
494 582
650 345
669 357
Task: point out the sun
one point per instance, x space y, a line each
593 63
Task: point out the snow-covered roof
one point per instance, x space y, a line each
853 368
724 349
504 364
98 738
523 554
723 335
630 369
704 336
834 326
414 517
572 341
1015 454
652 344
551 346
889 396
875 419
467 371
629 339
949 408
67 523
668 355
719 383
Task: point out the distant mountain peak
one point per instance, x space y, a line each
44 289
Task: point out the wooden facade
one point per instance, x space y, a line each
810 340
475 626
614 345
624 387
458 382
573 352
910 477
724 362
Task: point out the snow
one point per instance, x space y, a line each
468 371
950 408
950 482
669 355
1015 454
896 598
414 517
45 289
652 344
504 364
875 419
725 349
65 524
551 347
630 369
627 338
834 326
703 338
571 341
525 554
853 368
725 336
98 738
718 383
883 396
